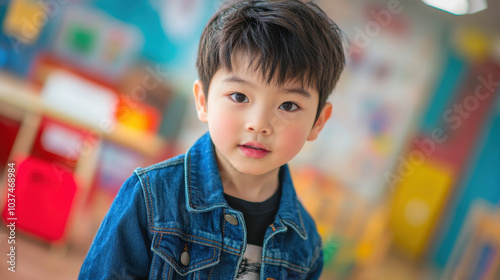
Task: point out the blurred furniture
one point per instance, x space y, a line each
21 103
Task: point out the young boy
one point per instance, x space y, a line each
227 209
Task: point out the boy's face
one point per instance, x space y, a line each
257 127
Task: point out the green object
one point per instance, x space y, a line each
81 39
330 250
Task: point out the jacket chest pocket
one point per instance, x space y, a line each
183 257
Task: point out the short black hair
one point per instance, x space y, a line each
286 40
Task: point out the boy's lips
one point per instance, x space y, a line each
254 150
255 145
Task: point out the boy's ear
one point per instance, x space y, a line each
200 100
325 114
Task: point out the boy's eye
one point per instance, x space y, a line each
239 97
289 106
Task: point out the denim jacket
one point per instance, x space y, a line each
169 221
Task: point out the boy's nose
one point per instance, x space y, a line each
265 131
259 123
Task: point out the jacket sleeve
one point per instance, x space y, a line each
317 267
121 247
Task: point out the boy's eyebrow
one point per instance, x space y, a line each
236 79
300 91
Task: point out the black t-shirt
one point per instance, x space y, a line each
258 215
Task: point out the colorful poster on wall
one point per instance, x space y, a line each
97 42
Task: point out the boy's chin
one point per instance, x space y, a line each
254 169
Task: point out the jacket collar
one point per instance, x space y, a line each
204 191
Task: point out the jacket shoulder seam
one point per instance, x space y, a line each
144 179
149 205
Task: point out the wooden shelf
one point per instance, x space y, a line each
19 93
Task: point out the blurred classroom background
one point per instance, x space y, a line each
404 181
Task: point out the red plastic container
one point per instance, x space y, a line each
44 193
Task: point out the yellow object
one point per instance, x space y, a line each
472 43
374 236
365 250
25 19
417 204
135 119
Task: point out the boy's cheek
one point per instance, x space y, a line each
293 140
223 121
223 128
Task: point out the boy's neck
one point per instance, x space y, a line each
254 188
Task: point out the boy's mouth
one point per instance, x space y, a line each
254 150
255 145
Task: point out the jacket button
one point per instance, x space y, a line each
231 219
185 258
